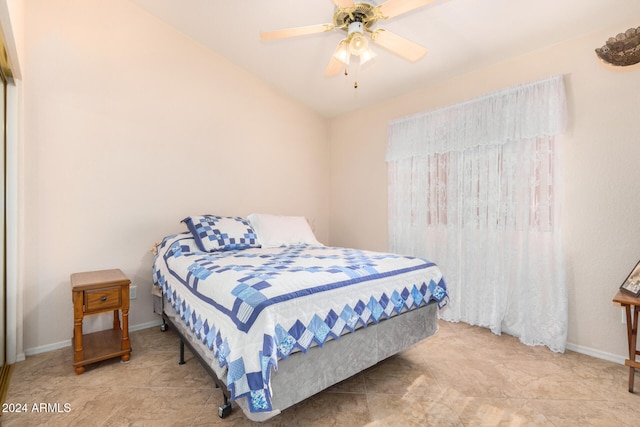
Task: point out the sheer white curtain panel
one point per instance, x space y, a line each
475 188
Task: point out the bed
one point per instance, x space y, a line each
261 303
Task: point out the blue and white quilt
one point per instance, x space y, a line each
255 306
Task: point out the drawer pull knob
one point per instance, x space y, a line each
103 299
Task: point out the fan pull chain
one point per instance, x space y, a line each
357 74
346 73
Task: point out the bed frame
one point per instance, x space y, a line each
225 408
390 337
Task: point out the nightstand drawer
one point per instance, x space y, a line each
102 299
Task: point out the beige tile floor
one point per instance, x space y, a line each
463 376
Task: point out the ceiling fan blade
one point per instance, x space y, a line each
399 45
344 3
392 8
295 32
334 67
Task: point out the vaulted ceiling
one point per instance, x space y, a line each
460 35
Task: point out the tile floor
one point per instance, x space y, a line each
463 376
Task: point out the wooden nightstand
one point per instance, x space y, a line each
631 304
98 292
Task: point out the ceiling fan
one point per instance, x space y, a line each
357 18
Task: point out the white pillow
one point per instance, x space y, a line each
274 230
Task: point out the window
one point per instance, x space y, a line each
475 188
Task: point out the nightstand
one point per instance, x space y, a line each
98 292
631 305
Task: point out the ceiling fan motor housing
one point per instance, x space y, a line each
363 12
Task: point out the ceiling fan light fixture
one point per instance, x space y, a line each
367 56
342 53
358 44
357 41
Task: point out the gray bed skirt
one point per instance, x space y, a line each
335 361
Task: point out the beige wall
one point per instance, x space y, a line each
601 176
119 122
130 126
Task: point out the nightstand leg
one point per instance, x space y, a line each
78 352
77 338
126 345
116 319
633 337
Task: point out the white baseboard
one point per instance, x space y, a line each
67 343
62 344
596 353
146 325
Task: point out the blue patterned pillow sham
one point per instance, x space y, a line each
218 233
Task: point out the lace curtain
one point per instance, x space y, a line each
475 187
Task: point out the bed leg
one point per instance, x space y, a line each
181 362
225 409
